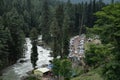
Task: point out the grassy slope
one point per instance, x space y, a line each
91 75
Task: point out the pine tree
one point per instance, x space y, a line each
70 12
44 25
59 15
15 23
54 31
27 23
34 54
62 68
1 7
65 69
66 36
4 47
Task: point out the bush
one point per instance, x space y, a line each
31 78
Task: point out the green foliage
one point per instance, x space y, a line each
59 14
91 75
15 23
20 16
66 36
34 34
44 25
110 71
1 7
27 19
97 55
62 68
34 54
4 47
54 31
109 21
108 27
69 18
56 67
32 78
65 69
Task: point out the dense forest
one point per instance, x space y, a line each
57 22
52 20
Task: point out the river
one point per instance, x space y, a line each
16 71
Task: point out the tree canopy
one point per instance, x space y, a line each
108 27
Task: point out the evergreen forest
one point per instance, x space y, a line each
57 21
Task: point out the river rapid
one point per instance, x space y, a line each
18 70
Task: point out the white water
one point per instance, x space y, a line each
16 71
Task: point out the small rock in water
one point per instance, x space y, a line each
22 61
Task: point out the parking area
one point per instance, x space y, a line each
76 47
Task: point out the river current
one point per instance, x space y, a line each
18 70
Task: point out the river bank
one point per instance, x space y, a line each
16 71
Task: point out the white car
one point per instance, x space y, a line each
81 43
81 47
81 51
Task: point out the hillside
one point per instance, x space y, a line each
91 75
